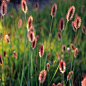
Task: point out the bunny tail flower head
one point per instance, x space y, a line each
53 84
36 6
42 76
59 84
1 61
31 36
59 56
63 48
15 54
53 10
41 51
70 13
3 8
76 52
19 23
77 22
74 26
69 76
24 6
48 66
34 43
4 53
84 29
61 27
62 66
7 38
83 83
30 22
59 35
72 46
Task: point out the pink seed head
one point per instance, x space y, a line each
36 6
61 27
70 13
69 76
76 52
53 10
59 56
62 66
19 23
74 26
31 36
34 43
77 22
1 61
42 76
41 50
30 22
48 66
7 38
84 29
4 53
53 84
72 46
8 0
83 82
15 54
59 84
59 35
63 48
24 6
3 8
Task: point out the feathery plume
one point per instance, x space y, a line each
24 6
53 10
41 50
62 66
70 13
3 8
42 76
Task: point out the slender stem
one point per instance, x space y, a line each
48 42
54 74
51 24
2 35
18 42
48 78
40 63
31 69
63 78
29 65
24 52
72 62
73 73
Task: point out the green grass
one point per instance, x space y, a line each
28 61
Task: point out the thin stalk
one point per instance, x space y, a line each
31 69
54 74
48 42
2 51
40 63
48 78
73 74
2 35
63 78
24 52
18 41
29 65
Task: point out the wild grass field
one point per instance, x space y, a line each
43 46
